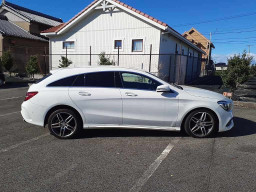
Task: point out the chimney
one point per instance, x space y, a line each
3 2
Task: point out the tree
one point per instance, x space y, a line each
7 61
105 60
238 70
32 66
253 70
64 62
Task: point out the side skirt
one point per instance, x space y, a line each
98 126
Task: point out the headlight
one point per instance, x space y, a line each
226 105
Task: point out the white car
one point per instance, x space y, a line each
69 100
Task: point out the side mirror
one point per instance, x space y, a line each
163 88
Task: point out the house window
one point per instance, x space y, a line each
182 51
137 45
68 45
118 44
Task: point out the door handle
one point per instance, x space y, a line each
131 94
84 94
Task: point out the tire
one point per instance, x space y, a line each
64 124
201 123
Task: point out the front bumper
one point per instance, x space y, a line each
226 121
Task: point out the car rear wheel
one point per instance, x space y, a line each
201 123
64 124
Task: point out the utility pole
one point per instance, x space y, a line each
209 50
249 49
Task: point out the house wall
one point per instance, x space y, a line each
99 30
21 50
17 20
173 67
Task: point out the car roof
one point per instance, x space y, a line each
75 71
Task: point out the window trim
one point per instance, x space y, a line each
134 40
69 40
116 48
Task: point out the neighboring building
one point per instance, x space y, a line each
221 67
203 43
106 25
20 34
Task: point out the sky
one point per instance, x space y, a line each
231 22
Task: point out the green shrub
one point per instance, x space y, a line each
32 66
7 61
64 62
105 60
238 70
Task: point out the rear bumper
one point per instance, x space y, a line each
32 113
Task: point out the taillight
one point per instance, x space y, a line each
30 95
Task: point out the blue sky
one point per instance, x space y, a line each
229 36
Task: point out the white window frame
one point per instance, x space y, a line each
68 40
143 45
122 48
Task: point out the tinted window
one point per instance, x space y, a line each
118 80
135 81
100 79
66 82
79 82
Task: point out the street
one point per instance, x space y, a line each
123 160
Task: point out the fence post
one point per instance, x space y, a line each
90 55
118 55
45 60
150 58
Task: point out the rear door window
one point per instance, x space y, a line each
100 79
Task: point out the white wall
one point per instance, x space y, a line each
99 30
167 64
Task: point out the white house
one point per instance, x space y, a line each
105 25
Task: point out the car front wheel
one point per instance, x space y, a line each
64 124
201 123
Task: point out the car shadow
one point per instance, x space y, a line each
243 127
14 85
94 133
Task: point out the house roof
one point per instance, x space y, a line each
221 65
10 29
200 34
32 15
58 29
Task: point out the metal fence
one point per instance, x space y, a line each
177 68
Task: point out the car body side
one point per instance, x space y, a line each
47 100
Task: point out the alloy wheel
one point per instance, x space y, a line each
201 124
63 124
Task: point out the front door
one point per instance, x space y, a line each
143 106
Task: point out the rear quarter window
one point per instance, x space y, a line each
65 82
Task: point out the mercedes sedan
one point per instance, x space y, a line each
69 100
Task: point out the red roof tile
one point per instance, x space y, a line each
58 28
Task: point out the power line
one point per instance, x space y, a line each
216 20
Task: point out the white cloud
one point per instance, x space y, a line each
218 58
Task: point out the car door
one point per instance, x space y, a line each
98 97
143 106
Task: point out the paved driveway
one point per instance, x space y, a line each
123 160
